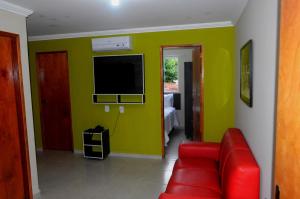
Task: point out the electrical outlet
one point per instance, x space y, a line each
122 109
106 108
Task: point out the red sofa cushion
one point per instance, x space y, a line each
173 196
199 150
197 178
192 191
204 164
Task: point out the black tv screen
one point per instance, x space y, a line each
119 74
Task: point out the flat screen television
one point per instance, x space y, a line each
122 74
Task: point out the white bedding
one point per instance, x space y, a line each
170 117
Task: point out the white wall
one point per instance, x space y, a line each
17 24
184 55
259 23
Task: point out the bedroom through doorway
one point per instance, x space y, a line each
181 94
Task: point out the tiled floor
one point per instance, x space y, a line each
63 175
176 137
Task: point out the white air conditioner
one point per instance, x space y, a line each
111 44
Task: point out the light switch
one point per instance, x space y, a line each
122 109
106 108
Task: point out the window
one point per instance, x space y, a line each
171 74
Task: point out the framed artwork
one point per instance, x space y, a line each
246 68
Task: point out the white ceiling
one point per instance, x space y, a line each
73 16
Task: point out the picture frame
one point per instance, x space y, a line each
246 73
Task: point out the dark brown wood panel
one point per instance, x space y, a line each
162 102
15 180
53 78
196 94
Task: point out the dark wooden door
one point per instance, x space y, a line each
53 77
14 164
196 94
188 99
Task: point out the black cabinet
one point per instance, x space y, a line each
96 144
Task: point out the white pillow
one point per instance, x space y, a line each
168 100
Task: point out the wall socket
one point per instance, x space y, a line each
106 108
122 109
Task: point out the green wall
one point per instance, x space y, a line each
138 130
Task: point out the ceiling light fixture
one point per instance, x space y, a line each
115 2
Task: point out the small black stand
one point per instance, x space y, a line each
96 143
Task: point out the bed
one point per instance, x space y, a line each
170 116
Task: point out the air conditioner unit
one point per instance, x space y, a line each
111 44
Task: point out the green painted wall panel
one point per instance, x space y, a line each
138 129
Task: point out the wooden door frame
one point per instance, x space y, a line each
20 106
162 89
39 95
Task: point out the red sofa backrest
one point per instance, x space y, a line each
236 166
232 139
241 167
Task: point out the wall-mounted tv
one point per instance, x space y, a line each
119 74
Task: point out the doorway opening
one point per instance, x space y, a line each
181 96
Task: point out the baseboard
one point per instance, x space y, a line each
139 156
78 152
37 195
126 155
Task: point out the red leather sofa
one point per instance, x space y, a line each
224 170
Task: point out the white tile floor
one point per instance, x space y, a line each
63 175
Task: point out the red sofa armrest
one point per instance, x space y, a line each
199 150
173 196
